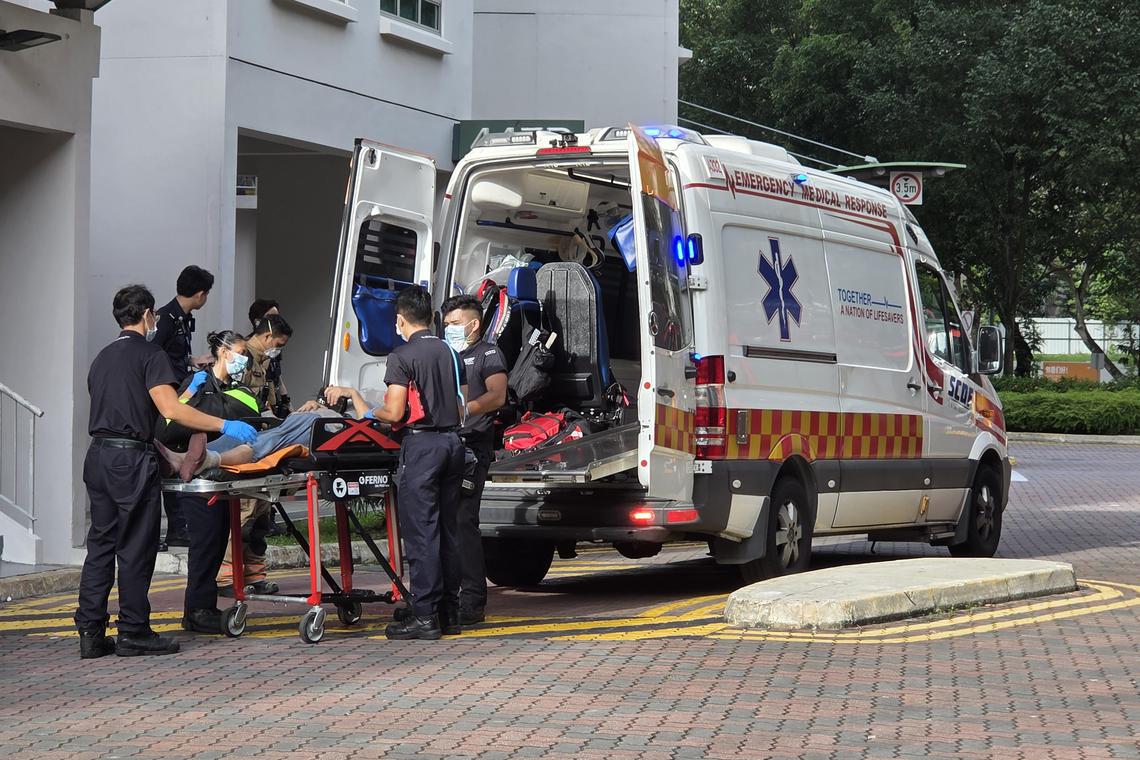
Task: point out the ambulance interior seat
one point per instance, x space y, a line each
384 265
571 298
524 314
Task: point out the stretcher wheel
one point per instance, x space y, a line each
233 620
349 612
312 627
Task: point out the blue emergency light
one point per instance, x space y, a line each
696 249
679 250
800 178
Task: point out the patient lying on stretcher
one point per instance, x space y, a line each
190 454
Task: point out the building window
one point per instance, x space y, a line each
423 13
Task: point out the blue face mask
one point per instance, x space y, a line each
456 336
236 366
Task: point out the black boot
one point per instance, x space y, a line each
202 621
471 615
141 644
177 538
414 628
95 643
449 621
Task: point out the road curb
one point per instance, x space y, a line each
36 584
852 595
1110 440
277 557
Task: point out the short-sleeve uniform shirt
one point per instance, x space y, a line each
175 331
119 382
431 364
481 360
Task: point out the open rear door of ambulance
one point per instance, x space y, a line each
385 246
666 396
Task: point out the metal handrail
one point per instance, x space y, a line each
5 390
10 504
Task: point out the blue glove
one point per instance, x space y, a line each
242 431
197 381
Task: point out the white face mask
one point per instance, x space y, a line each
273 353
152 330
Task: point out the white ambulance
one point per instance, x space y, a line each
767 353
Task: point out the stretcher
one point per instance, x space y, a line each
348 460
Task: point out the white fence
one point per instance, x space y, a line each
1059 335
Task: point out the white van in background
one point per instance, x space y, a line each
766 352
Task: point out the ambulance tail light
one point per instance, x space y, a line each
642 516
712 414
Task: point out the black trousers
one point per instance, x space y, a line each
428 489
473 573
209 529
126 498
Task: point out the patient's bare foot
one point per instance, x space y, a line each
190 463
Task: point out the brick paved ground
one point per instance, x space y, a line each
1059 688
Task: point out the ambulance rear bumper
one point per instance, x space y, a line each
612 517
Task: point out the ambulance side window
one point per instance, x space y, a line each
670 320
945 337
385 251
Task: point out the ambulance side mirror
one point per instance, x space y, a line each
990 351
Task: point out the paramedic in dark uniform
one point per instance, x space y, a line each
175 333
431 465
131 385
487 390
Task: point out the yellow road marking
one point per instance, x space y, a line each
661 621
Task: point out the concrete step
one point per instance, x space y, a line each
851 595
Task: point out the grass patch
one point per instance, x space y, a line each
372 520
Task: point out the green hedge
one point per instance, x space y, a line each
1079 412
1065 385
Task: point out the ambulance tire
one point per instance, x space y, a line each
517 562
983 532
790 523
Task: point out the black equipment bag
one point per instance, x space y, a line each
233 402
531 374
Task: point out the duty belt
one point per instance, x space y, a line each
122 443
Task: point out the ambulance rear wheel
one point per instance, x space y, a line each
790 523
983 532
517 561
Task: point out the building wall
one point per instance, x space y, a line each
298 218
45 96
604 62
157 152
352 81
